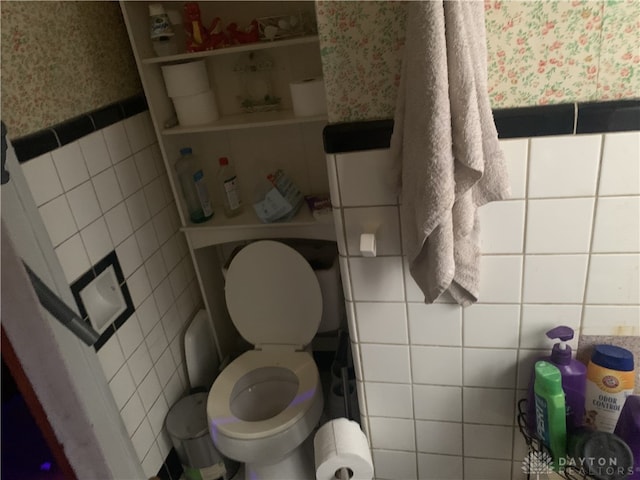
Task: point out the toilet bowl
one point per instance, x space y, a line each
265 404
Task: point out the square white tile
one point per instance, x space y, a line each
148 315
117 143
436 324
620 171
153 460
140 363
70 165
392 433
147 240
381 322
617 225
502 227
554 278
132 414
559 225
58 220
489 406
171 323
614 279
377 279
149 390
128 177
383 221
118 223
122 386
163 225
516 151
164 367
130 335
157 415
146 165
437 402
366 178
564 166
156 342
611 320
485 367
390 464
110 357
138 209
174 389
171 252
154 194
129 256
500 278
439 467
484 468
385 363
95 153
526 363
84 204
413 292
178 279
107 189
143 439
476 444
139 287
436 365
389 400
439 437
97 241
539 319
42 178
491 326
137 131
164 296
73 258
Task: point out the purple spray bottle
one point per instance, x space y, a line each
574 377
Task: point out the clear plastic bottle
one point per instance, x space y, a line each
228 182
194 188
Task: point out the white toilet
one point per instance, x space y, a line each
266 403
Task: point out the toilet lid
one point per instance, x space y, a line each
273 295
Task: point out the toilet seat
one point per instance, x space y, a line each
301 364
273 295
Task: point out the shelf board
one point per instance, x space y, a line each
249 47
247 226
247 120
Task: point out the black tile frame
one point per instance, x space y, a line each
562 119
43 141
76 287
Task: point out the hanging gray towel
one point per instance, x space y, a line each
446 146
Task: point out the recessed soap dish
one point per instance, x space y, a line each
103 299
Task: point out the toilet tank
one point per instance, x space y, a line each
323 258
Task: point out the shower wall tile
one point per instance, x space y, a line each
564 166
392 433
516 152
392 464
620 173
440 467
104 193
562 250
383 221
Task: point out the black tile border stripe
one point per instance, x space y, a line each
48 139
561 119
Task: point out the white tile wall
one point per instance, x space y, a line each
565 249
109 191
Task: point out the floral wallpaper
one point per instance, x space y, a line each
540 52
62 59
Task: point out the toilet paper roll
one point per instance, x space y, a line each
196 109
186 79
341 444
308 97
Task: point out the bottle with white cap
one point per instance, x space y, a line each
161 31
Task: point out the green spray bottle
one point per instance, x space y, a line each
551 421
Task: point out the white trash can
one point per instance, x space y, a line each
187 426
